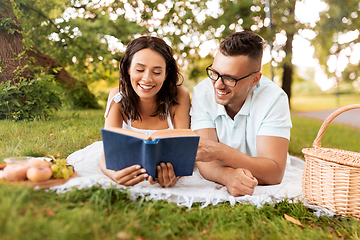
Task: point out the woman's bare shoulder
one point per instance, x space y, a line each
180 117
113 92
183 98
183 92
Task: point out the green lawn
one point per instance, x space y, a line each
310 103
109 214
64 133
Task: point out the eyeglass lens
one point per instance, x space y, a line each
225 79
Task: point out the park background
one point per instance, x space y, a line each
59 60
72 48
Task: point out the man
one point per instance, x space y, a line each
242 117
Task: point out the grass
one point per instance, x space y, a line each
63 134
108 214
336 135
304 130
320 102
97 213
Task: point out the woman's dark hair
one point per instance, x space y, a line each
243 43
166 96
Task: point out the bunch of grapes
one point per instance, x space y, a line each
60 169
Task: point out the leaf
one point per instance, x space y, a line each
293 220
204 231
15 102
123 235
50 212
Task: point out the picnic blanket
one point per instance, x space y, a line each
187 190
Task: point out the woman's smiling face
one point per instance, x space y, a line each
147 73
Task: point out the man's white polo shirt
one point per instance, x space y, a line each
265 112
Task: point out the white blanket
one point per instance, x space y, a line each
188 189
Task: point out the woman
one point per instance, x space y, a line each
150 97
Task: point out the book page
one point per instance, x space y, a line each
172 133
129 133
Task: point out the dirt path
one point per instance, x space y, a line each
350 118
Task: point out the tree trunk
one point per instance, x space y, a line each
48 62
11 47
77 91
288 66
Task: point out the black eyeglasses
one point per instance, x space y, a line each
226 80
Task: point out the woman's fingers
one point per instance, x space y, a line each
166 175
172 177
135 180
131 175
160 178
134 174
151 180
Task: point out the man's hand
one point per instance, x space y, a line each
166 175
240 182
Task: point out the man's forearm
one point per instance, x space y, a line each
212 171
239 182
268 167
266 170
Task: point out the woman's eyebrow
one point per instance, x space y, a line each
143 65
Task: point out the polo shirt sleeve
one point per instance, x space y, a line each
277 121
201 108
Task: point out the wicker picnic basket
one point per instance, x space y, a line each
331 177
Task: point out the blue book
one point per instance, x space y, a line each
124 148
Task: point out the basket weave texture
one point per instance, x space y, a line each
331 177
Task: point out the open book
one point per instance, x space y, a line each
124 148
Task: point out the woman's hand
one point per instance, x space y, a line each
166 175
130 176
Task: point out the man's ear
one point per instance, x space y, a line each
256 79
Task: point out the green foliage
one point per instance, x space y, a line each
7 24
100 79
339 19
196 72
77 34
81 98
29 98
306 87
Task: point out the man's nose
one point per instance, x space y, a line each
219 83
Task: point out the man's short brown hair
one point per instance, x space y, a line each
243 43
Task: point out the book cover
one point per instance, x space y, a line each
124 148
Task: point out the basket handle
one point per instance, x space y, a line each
317 141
